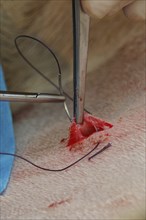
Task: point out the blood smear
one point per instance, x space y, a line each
91 124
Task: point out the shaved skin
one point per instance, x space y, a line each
110 185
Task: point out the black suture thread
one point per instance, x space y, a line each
47 169
100 151
60 89
37 70
31 65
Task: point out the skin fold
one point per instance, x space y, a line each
111 185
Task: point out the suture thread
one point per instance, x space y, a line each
47 169
100 151
59 88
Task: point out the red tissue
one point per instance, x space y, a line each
91 124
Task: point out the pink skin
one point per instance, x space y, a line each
111 185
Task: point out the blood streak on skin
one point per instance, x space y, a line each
91 124
55 204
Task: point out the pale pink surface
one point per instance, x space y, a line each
112 185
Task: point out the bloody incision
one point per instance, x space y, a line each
91 124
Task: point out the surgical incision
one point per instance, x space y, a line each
91 124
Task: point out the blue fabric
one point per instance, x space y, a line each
7 141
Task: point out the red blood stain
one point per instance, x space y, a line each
55 204
91 124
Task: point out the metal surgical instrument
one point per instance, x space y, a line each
30 97
81 22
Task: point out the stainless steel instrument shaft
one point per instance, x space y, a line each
80 34
30 97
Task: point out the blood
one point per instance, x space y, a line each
91 124
55 204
